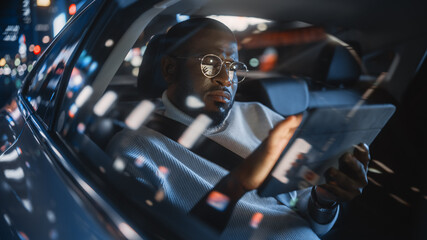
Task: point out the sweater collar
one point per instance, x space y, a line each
174 113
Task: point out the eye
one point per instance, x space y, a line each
217 66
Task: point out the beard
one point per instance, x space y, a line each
218 117
216 111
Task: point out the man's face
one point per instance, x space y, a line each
193 92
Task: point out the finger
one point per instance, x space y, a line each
353 168
281 134
336 177
253 171
290 124
340 195
361 152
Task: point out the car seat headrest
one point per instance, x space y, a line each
343 67
285 95
150 79
338 66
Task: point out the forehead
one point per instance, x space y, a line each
213 41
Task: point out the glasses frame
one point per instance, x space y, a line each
222 63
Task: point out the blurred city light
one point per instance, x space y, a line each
194 131
81 127
181 18
72 9
194 102
58 23
7 219
139 114
73 110
45 39
139 161
399 199
218 200
27 204
256 219
104 104
84 96
119 164
374 182
262 26
254 62
37 49
136 61
383 166
239 23
23 236
50 216
127 231
163 171
160 195
149 203
14 174
135 71
373 170
10 157
109 43
43 3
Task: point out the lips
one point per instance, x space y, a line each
219 96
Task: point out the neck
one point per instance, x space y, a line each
172 111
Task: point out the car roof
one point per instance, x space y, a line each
378 22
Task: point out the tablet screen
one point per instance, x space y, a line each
323 136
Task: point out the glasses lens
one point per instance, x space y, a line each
239 71
211 65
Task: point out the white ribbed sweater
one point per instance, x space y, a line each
190 176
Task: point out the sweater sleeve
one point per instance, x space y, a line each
216 207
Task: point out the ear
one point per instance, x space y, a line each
168 69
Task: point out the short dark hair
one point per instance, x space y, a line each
180 33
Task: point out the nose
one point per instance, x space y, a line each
222 78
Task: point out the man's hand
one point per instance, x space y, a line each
348 182
253 171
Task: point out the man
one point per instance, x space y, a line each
250 130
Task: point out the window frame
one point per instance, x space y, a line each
47 121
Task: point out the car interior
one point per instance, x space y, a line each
294 66
288 92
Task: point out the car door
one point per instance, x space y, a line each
38 201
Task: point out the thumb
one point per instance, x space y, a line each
253 171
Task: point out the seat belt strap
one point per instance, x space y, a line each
204 147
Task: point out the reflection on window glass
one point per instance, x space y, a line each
114 129
43 88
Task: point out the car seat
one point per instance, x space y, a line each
151 83
285 95
337 76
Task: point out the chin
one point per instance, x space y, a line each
219 114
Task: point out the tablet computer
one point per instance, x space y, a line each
323 136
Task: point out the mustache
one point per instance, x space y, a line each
217 88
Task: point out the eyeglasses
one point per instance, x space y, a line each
211 66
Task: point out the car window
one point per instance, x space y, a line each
42 87
113 98
106 124
108 109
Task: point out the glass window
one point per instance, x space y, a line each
112 97
42 90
